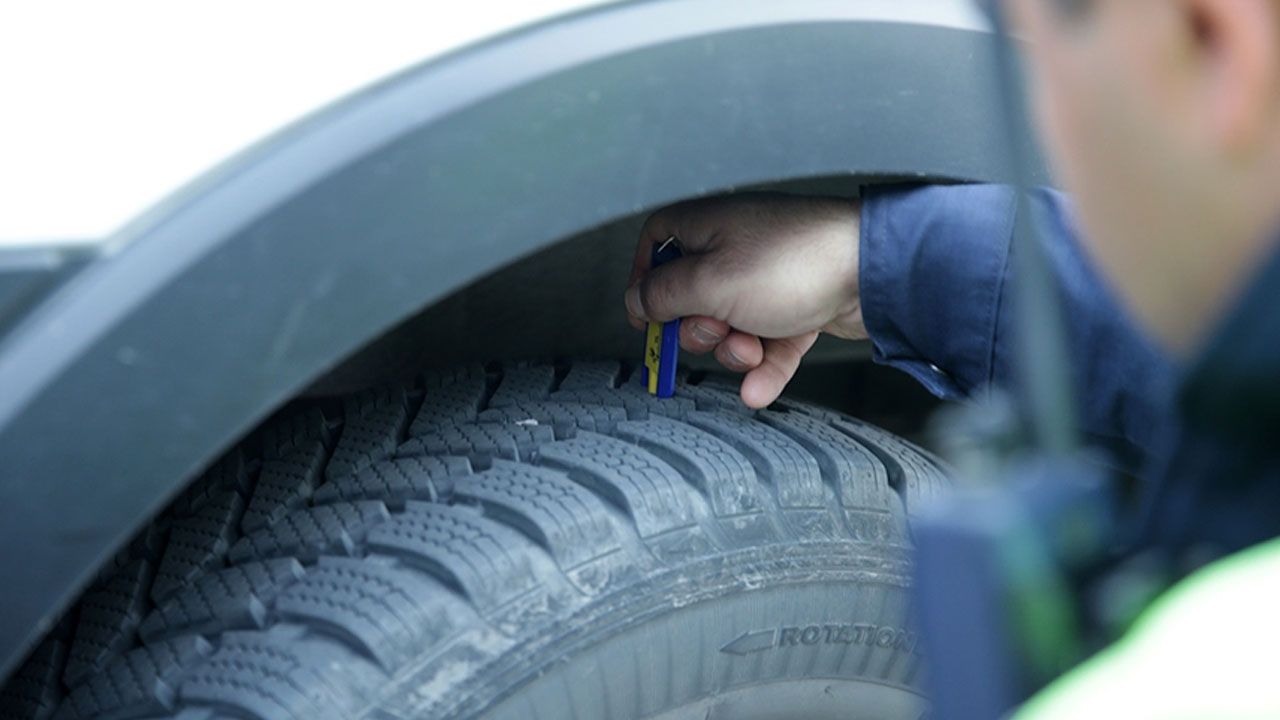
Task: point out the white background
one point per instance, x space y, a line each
106 107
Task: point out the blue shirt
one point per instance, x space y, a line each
936 299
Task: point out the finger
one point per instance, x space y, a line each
679 288
765 383
653 226
657 228
693 223
740 352
701 335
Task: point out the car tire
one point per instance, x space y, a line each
526 541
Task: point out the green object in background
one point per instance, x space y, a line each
1205 650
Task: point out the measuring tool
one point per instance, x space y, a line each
662 341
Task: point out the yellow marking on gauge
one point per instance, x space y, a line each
653 355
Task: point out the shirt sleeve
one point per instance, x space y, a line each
936 299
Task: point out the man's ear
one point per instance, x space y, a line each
1237 50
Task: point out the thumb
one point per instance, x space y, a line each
677 289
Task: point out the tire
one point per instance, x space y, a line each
539 540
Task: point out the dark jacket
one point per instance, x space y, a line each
1205 438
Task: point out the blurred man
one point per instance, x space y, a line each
1163 120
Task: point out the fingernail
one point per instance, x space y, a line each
632 299
706 335
733 358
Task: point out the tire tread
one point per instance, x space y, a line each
448 519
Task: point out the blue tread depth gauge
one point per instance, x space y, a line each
662 341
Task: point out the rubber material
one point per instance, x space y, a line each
453 548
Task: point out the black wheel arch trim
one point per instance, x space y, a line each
219 305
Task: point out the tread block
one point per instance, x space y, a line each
230 473
857 475
592 375
148 545
563 517
779 460
638 404
440 378
274 676
197 543
231 598
716 469
649 490
566 418
308 533
710 396
524 383
390 612
453 397
912 471
482 443
284 484
141 682
280 437
786 466
33 692
676 407
109 617
804 408
416 477
375 420
487 561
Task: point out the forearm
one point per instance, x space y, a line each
937 303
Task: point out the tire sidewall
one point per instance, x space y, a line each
739 633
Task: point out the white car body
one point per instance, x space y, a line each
110 107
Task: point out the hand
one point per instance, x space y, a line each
762 275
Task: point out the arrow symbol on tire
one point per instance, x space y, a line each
750 642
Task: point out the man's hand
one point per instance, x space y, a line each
762 275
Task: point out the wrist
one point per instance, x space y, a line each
847 322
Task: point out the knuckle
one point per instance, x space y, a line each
656 223
705 281
653 295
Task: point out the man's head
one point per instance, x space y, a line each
1163 120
